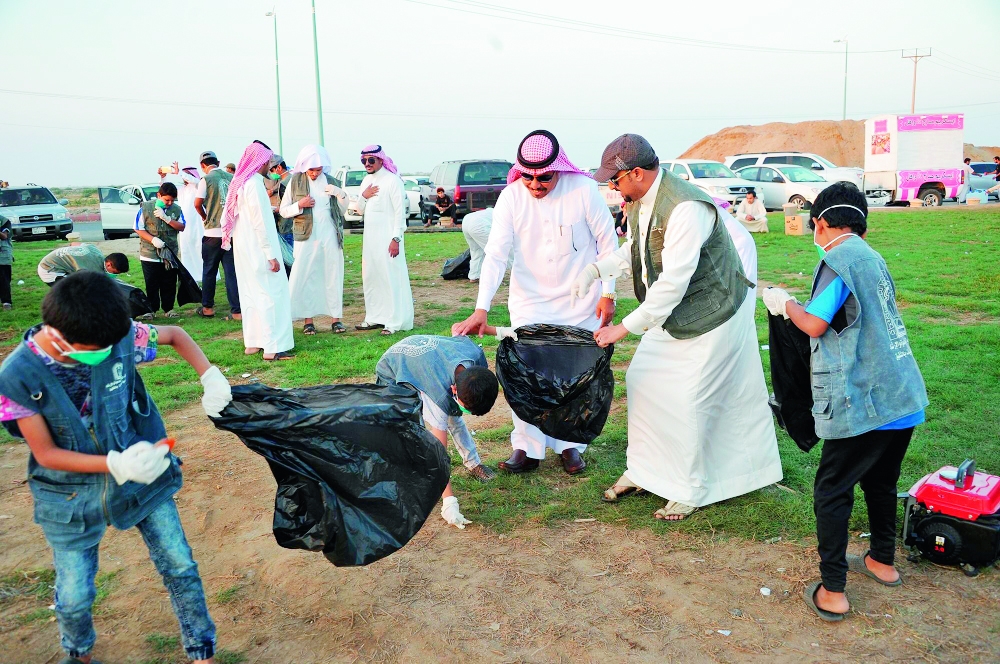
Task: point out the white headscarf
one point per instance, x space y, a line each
312 156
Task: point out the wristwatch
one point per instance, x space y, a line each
395 239
611 296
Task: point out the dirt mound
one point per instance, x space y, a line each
842 142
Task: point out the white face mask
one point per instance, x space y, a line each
821 249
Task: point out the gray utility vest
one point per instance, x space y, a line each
160 229
216 188
73 509
866 376
303 224
718 286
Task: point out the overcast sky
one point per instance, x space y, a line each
103 92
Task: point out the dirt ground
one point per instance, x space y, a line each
580 592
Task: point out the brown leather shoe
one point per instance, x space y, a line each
518 463
572 462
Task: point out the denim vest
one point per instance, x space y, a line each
718 286
866 376
428 363
73 509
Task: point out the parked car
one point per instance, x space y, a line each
611 196
785 184
415 199
822 167
474 184
34 212
713 178
119 205
984 176
349 179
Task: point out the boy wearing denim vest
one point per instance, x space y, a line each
868 394
99 454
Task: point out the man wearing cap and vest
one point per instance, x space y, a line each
699 427
209 203
554 220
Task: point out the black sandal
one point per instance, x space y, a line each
283 355
338 328
367 327
201 312
309 329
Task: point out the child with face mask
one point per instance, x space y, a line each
868 394
99 452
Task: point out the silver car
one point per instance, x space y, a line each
34 212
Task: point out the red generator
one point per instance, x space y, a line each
952 517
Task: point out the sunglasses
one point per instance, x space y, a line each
369 161
614 181
544 177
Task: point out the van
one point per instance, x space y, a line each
474 184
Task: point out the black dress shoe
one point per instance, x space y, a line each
572 462
518 463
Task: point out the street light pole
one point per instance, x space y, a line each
837 41
277 79
916 58
319 96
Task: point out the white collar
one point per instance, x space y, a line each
650 196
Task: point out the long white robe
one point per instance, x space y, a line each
386 281
317 280
552 239
264 297
699 427
755 210
189 241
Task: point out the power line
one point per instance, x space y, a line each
958 69
969 65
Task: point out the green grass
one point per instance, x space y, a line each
228 595
163 643
22 583
946 266
38 615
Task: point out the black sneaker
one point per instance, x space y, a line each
482 473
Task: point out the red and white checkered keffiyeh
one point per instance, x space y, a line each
377 151
540 153
256 155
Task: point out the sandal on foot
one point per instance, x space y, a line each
674 508
628 488
172 314
229 317
809 595
309 329
387 333
253 351
857 564
366 327
279 356
201 312
338 328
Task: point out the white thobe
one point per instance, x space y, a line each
264 297
388 298
757 211
317 280
189 241
553 239
745 246
476 229
699 427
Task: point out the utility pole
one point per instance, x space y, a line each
319 96
277 79
837 41
916 58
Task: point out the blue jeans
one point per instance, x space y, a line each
170 553
212 254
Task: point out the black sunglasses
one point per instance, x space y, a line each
544 177
614 181
368 161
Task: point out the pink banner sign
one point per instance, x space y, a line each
880 126
910 182
929 122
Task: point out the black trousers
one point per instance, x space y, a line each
5 284
212 254
872 460
161 285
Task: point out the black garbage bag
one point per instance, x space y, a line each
188 290
457 267
788 349
138 303
358 474
557 378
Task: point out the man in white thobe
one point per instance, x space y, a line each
388 298
249 227
315 204
751 214
476 229
189 241
699 427
554 220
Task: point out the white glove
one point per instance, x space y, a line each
158 243
583 282
332 190
142 463
775 300
160 214
218 393
451 514
506 333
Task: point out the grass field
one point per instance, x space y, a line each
946 265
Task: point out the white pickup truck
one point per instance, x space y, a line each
119 205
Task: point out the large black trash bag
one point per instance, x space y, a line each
138 303
358 474
788 349
457 267
188 290
557 378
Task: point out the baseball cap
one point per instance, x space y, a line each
626 152
207 154
275 160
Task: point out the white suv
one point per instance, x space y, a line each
713 178
817 164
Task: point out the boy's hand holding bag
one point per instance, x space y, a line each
142 463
